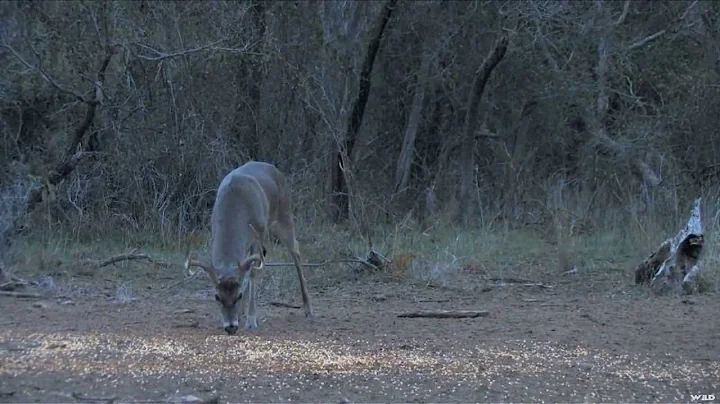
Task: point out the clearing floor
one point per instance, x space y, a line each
585 337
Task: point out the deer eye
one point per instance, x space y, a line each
217 297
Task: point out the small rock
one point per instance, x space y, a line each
379 298
189 399
68 303
39 305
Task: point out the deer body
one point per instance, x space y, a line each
251 200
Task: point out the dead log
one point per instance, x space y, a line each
675 267
445 314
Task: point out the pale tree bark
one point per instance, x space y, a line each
467 155
675 267
340 166
402 172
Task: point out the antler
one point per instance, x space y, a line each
208 268
245 263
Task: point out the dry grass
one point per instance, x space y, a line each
435 256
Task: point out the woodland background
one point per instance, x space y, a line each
118 119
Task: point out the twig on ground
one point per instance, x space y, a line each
183 280
539 285
129 257
445 314
288 305
20 295
431 300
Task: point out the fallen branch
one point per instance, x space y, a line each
323 263
20 295
512 280
445 314
83 397
12 285
283 304
129 257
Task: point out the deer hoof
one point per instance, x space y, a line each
251 323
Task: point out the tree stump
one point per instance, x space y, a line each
675 268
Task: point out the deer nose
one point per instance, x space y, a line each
231 329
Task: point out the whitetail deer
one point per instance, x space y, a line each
251 200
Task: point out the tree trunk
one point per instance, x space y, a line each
602 102
342 155
255 75
467 156
675 267
402 172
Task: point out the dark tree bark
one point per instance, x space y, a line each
341 156
467 156
76 147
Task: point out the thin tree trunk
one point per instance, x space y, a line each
402 172
467 156
342 155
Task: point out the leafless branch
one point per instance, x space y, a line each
159 55
644 41
43 73
624 13
647 39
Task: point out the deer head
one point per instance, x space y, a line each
229 287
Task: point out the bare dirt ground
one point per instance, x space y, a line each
589 338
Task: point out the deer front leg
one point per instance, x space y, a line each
250 315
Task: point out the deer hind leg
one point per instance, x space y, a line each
286 231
